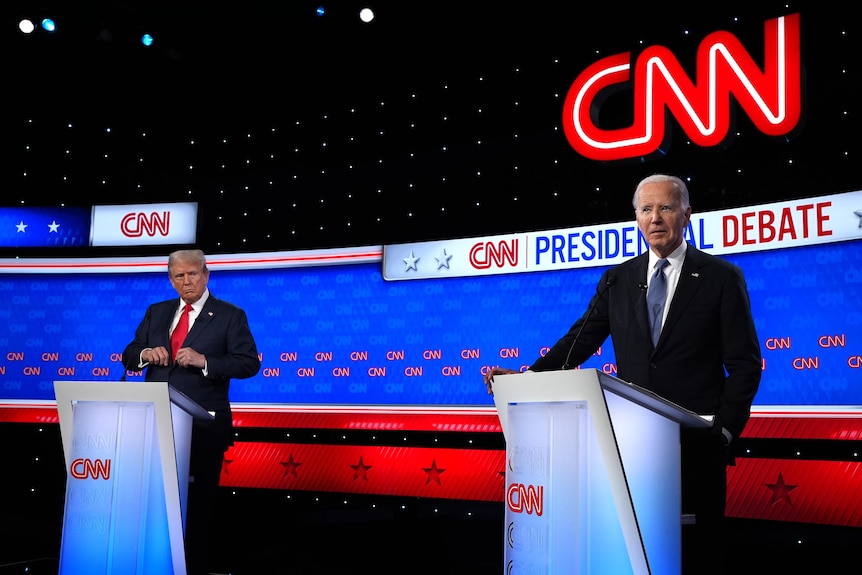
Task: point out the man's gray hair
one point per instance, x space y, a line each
678 186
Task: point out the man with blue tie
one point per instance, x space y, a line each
684 330
197 343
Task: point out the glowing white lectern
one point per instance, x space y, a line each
126 447
592 474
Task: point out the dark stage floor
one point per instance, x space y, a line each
327 534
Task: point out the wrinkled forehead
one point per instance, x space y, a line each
185 266
657 195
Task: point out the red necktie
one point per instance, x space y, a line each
181 331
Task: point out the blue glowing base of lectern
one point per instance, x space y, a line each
592 475
126 448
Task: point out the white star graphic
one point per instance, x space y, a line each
411 262
53 227
22 227
443 260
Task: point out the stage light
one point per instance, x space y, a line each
320 11
26 26
48 25
147 40
366 15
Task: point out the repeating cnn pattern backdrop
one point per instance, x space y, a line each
340 334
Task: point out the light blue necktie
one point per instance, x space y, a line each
656 297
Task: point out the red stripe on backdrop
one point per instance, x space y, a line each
29 412
440 473
382 418
846 426
827 492
823 492
766 422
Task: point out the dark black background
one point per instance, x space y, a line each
436 120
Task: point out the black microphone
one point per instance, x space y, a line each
599 292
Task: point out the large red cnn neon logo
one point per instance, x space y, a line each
136 224
771 98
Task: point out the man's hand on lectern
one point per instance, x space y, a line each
489 376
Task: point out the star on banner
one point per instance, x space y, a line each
411 262
433 473
53 227
225 466
781 491
22 227
360 470
443 260
290 466
859 213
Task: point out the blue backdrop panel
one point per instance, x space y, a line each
342 335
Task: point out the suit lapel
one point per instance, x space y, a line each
203 320
636 279
691 278
165 319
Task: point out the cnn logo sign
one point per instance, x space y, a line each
770 97
83 468
136 224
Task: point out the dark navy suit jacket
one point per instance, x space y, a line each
708 357
221 333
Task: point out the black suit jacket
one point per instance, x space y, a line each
220 332
708 357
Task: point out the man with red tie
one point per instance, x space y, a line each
197 344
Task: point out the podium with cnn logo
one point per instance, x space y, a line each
592 475
126 448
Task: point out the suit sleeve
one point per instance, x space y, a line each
240 359
742 358
584 336
132 353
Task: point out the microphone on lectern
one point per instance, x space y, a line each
600 291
